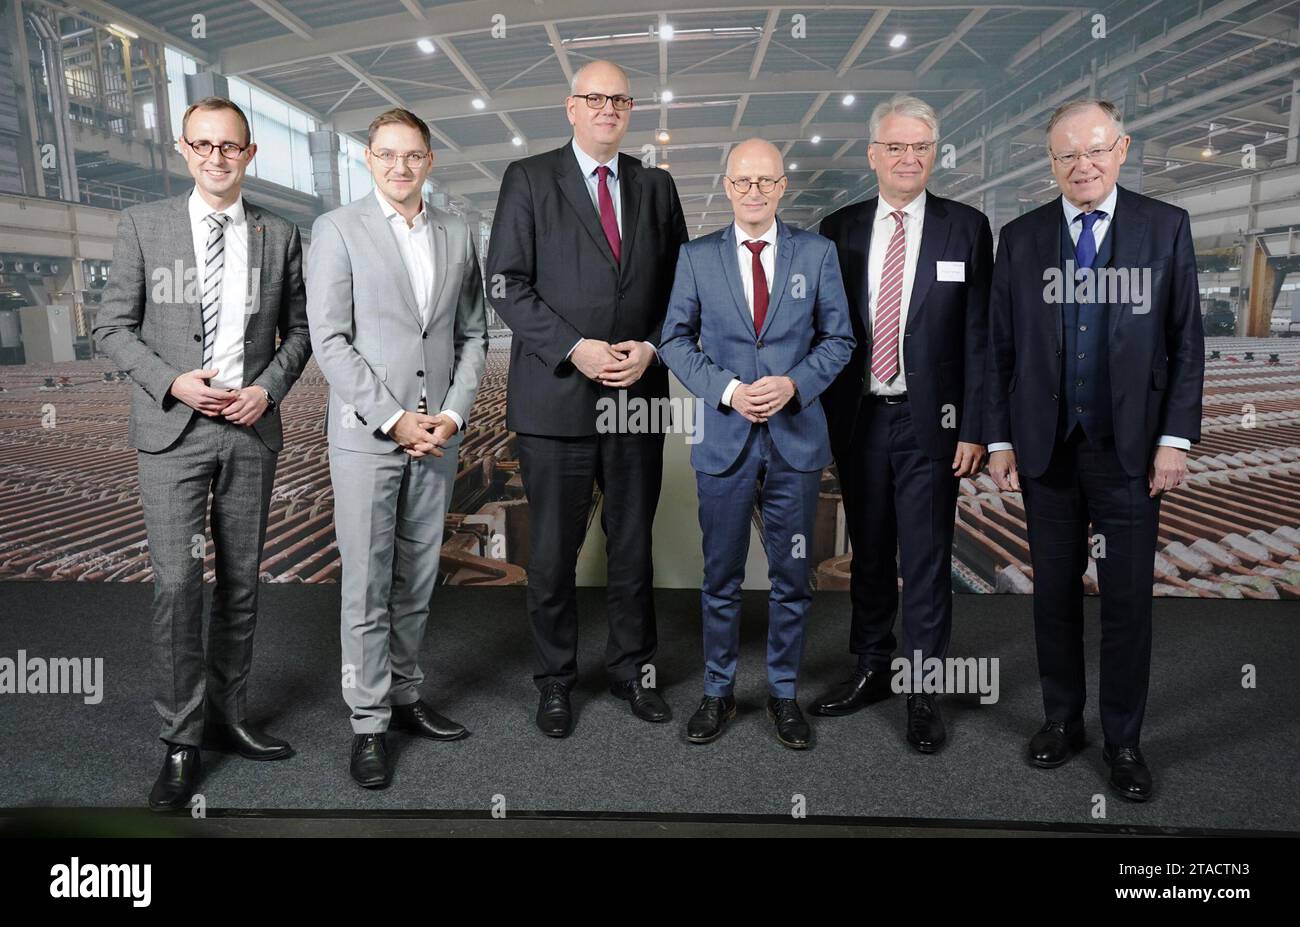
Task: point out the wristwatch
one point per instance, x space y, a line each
270 403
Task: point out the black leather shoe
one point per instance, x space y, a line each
924 723
247 741
791 728
1055 743
647 704
859 691
370 761
175 784
419 719
707 722
554 714
1128 772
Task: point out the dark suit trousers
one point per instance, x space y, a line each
900 508
1084 483
559 475
230 463
787 500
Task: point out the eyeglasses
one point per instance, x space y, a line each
1093 154
621 101
896 149
411 159
202 147
765 184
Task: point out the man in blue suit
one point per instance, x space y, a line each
757 327
1096 363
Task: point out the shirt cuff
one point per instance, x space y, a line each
1170 441
726 393
1000 446
455 417
574 348
388 425
653 350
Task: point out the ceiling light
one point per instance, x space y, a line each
794 167
666 96
898 41
516 141
848 99
816 139
663 135
663 165
426 46
666 32
478 103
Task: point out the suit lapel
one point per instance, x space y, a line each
376 223
182 235
785 248
860 245
1128 229
1047 241
629 188
934 239
256 254
573 186
439 229
731 270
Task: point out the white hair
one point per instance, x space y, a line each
1077 106
904 105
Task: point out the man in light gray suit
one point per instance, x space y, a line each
395 299
201 286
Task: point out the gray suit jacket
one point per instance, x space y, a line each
150 319
370 342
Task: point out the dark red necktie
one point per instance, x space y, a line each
760 285
608 220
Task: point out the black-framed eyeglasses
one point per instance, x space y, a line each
896 149
202 147
765 184
411 159
1069 158
621 101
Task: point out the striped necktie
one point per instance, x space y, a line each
884 337
214 263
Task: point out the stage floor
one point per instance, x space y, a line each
1225 757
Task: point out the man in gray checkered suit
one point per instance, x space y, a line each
201 286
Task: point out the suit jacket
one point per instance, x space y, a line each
945 340
150 319
373 347
554 280
709 340
1156 357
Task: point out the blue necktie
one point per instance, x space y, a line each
1085 250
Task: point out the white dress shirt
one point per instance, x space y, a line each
587 164
745 258
1099 230
415 245
228 345
882 231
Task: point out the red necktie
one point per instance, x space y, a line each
760 285
608 220
884 337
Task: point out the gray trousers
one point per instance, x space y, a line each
232 465
389 512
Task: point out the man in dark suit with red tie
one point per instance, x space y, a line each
905 414
1094 398
581 261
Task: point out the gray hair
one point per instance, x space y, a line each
1078 106
904 105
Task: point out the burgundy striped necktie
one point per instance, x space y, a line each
608 221
884 338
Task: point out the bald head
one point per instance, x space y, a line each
600 131
599 72
753 165
755 153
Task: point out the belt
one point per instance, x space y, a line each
888 400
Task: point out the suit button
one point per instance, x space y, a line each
423 335
1083 328
419 373
1054 397
1078 382
197 338
1078 409
1058 352
759 345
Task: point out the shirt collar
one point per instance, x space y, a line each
1107 206
913 210
390 211
587 164
200 210
769 236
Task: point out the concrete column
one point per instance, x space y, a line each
324 147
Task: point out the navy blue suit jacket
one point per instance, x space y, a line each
709 340
1156 356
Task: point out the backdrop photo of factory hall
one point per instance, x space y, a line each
90 108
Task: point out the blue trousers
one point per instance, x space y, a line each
787 501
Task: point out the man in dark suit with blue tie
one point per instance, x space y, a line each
906 413
757 328
1096 366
